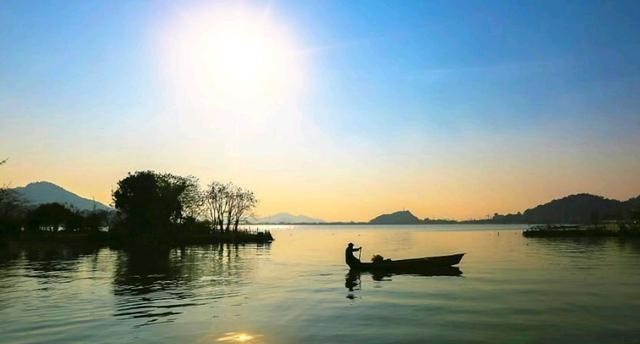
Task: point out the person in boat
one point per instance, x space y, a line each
348 254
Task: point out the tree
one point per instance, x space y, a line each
153 202
11 209
92 221
216 200
244 203
51 216
227 204
192 198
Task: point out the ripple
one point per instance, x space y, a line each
203 294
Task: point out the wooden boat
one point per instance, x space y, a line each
409 265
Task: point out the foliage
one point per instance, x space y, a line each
11 209
153 202
155 207
226 205
51 217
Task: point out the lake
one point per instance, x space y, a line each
297 290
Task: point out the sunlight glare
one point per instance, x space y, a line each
231 58
238 337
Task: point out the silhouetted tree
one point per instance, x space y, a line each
192 198
93 220
11 209
216 201
244 202
152 202
227 204
51 217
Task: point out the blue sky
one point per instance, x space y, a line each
398 93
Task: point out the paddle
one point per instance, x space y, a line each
359 253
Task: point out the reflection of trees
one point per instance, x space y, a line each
137 271
141 271
155 284
632 244
582 245
57 257
47 263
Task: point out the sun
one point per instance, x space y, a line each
234 59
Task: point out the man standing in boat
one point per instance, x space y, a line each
348 255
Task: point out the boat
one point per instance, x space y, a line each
424 264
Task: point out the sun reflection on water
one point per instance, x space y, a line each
240 337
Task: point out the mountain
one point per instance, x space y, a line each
45 192
286 218
577 209
398 218
572 209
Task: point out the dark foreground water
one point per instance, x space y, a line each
296 290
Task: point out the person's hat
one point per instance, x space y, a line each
350 244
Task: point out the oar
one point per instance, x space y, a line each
359 253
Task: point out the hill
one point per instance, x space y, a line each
46 192
576 209
404 217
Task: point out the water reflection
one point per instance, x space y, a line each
353 279
240 337
291 291
158 284
47 262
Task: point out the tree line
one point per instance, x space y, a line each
153 201
149 205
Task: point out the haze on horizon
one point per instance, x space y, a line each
339 111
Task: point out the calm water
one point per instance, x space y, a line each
296 290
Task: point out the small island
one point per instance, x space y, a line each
405 217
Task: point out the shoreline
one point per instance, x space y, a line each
579 231
113 239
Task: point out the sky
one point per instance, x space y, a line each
331 109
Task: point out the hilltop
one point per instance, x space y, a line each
46 192
403 217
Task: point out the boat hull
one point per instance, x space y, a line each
409 265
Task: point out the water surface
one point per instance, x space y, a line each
512 290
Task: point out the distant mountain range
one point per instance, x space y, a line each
46 192
285 218
574 209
